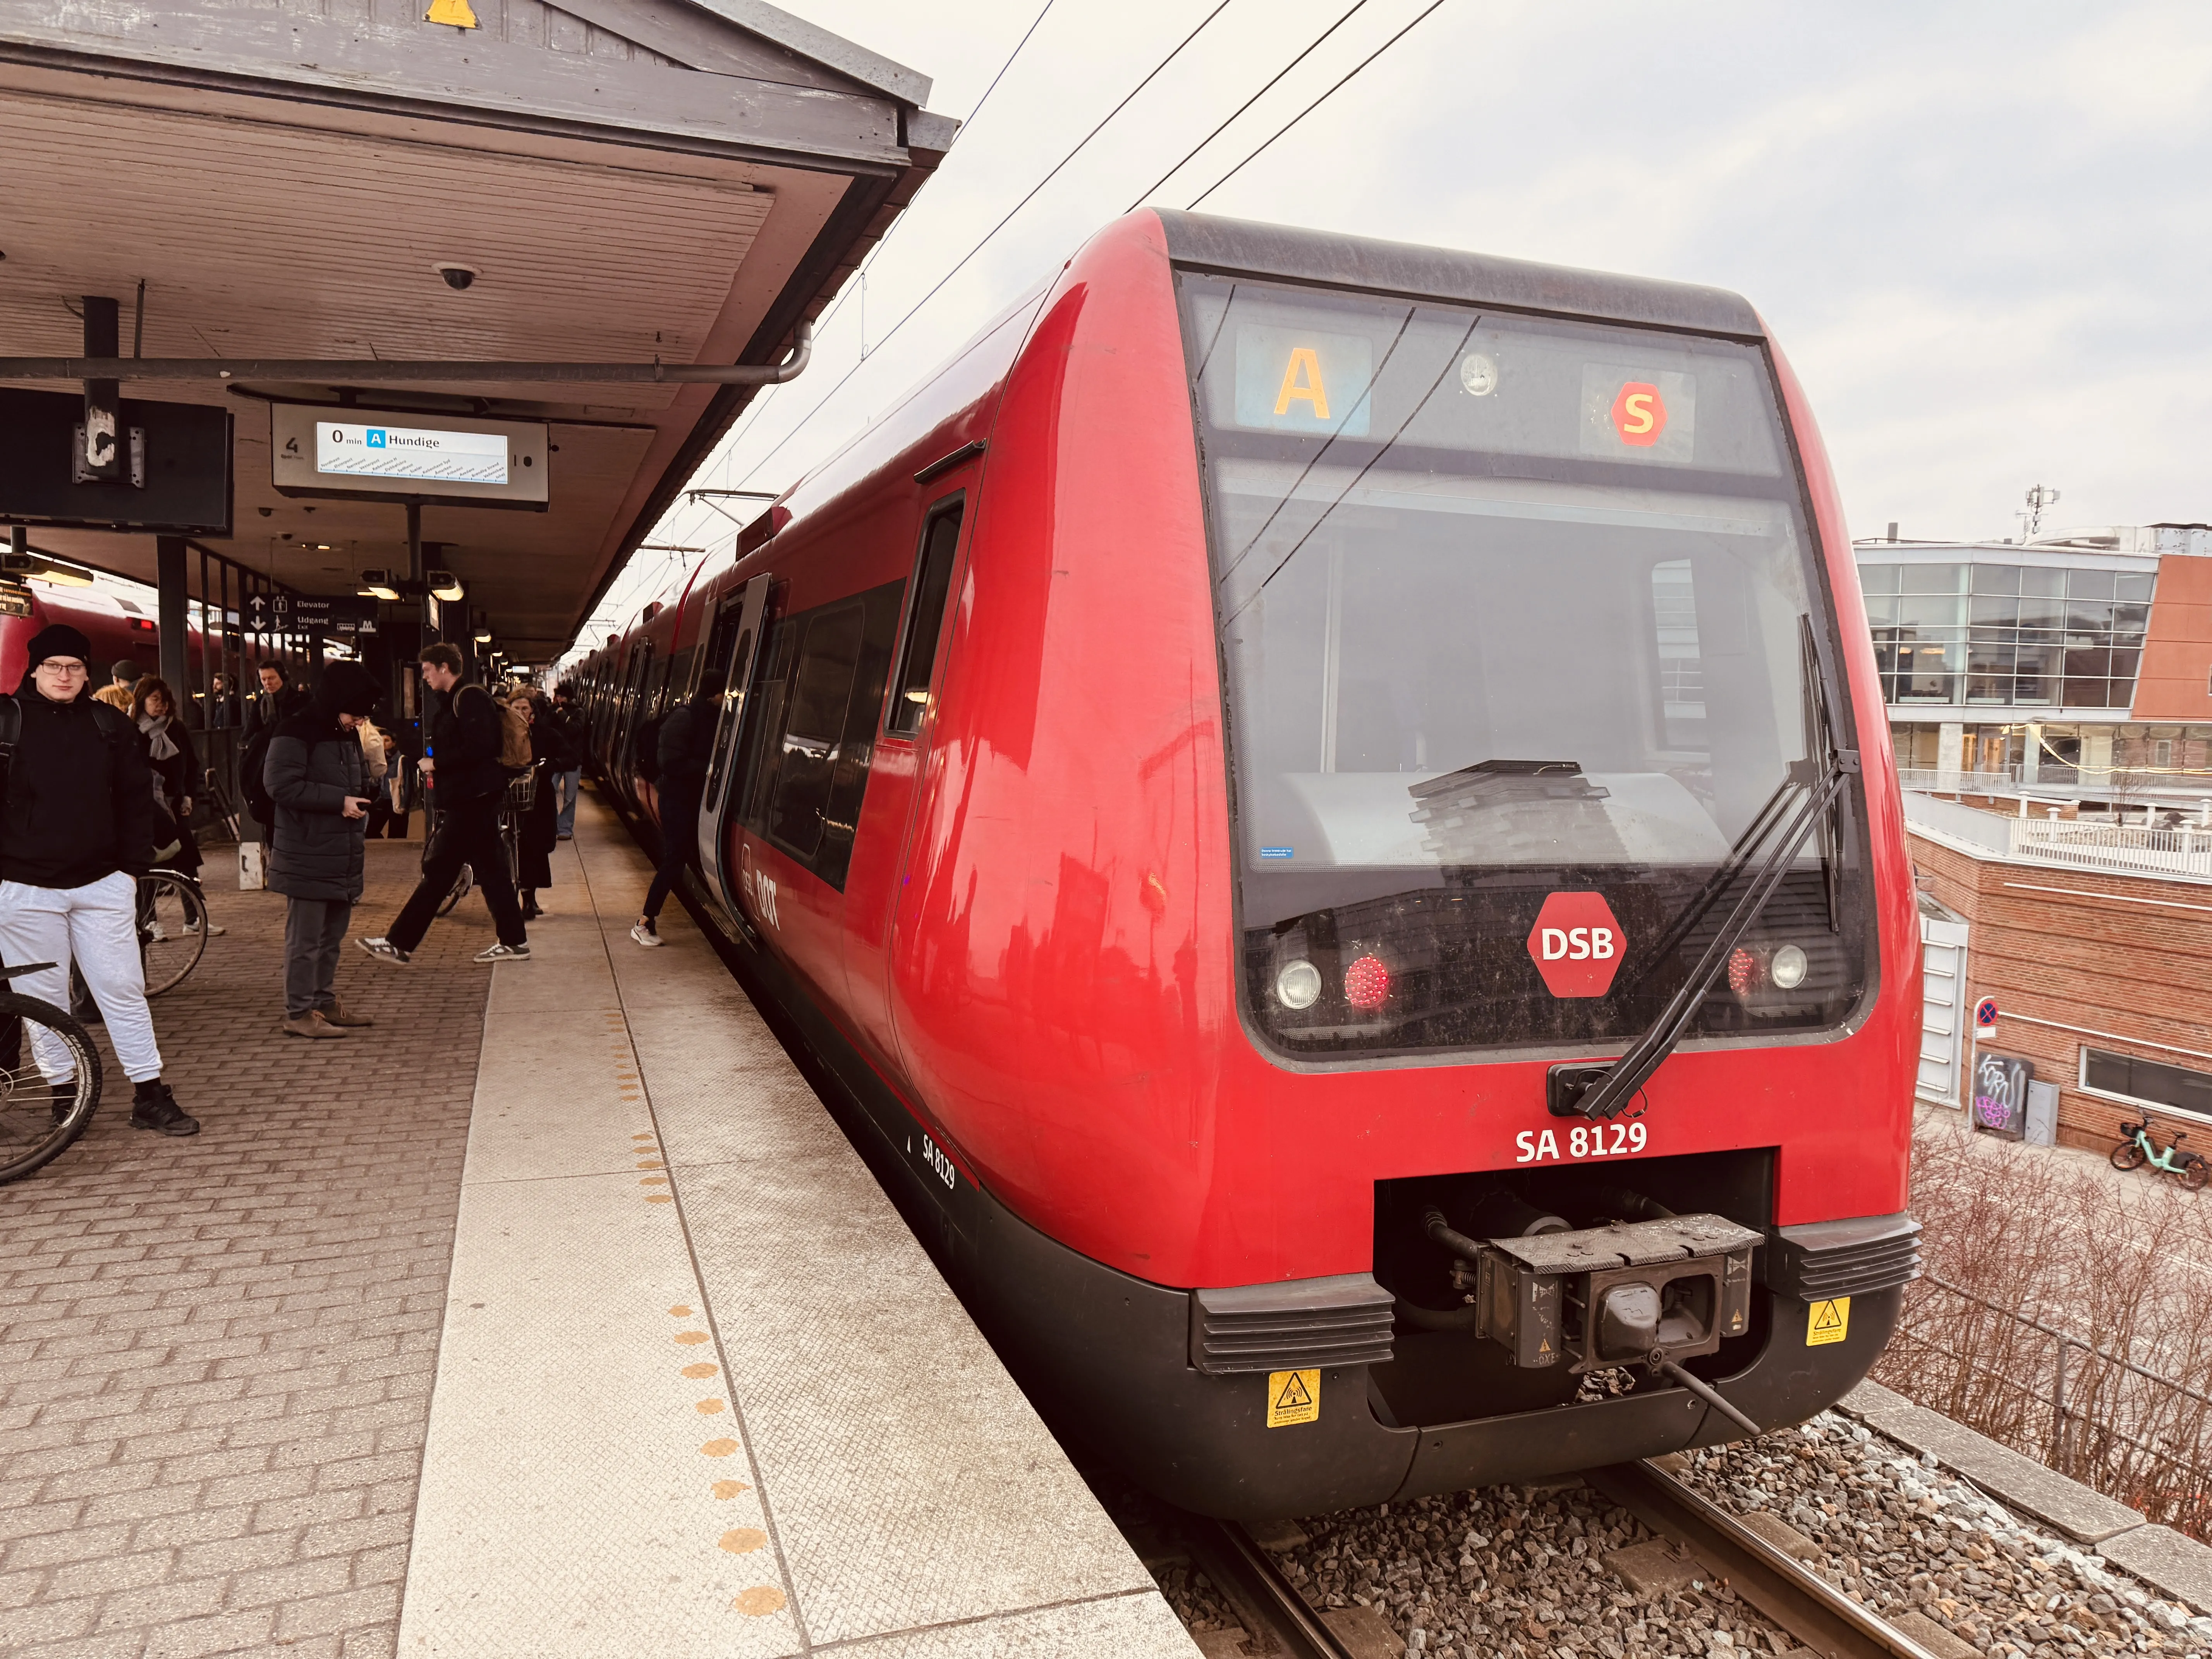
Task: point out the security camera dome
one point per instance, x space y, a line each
457 276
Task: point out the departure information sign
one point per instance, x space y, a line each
326 450
401 452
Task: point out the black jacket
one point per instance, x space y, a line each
686 745
565 739
314 763
262 708
80 801
464 745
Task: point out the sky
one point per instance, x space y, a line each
1980 232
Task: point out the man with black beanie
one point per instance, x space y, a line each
318 777
77 831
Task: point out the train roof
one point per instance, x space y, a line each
1243 248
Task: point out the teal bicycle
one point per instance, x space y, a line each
2192 1169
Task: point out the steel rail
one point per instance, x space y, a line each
1278 1617
1805 1605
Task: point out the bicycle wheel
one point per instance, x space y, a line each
39 1119
172 928
461 885
2195 1171
2128 1155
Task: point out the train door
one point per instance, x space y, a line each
731 653
626 718
871 889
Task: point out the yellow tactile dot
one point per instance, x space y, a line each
744 1540
642 1134
708 1407
730 1488
661 1198
701 1369
760 1600
690 1339
652 1181
681 1311
719 1448
651 1163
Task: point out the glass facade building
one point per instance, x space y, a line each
1988 635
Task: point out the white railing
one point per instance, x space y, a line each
1964 783
2184 851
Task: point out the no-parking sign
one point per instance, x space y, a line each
1985 1014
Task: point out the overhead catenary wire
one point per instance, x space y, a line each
1274 80
1434 6
860 275
981 242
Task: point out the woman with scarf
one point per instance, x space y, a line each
176 774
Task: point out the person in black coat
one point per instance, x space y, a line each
539 828
468 786
77 831
319 779
176 770
683 746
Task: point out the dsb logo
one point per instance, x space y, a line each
1576 944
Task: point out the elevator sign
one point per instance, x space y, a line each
1576 944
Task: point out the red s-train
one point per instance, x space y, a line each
1311 790
118 629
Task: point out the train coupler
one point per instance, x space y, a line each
1629 1293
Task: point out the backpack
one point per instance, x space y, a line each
252 779
645 749
513 734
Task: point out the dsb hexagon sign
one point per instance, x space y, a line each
1639 414
1576 944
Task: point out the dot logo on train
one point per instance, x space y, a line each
1576 944
1639 414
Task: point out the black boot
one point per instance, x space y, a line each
153 1107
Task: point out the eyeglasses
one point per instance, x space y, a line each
63 667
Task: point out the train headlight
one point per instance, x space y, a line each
1298 985
1787 968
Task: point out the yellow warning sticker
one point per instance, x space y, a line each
1292 1397
1828 1322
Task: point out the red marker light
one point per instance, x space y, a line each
1366 984
1744 971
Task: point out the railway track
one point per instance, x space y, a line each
1808 1607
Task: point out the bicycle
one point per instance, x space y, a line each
39 1119
172 928
2137 1149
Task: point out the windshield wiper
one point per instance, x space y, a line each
1602 1092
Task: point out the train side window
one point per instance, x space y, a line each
814 731
817 698
933 580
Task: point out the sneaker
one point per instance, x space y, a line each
310 1025
210 929
645 932
159 1111
505 953
382 947
565 836
336 1014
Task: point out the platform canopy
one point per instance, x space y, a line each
628 181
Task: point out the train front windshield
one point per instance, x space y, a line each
1519 620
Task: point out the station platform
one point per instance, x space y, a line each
553 1315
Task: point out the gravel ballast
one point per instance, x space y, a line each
1522 1571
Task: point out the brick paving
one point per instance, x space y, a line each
217 1354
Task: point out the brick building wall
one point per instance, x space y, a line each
2079 958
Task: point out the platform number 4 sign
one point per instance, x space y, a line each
1828 1322
1292 1397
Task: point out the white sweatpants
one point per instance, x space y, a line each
97 925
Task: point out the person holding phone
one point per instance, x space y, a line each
318 777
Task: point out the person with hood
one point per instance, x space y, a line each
77 831
318 777
683 746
